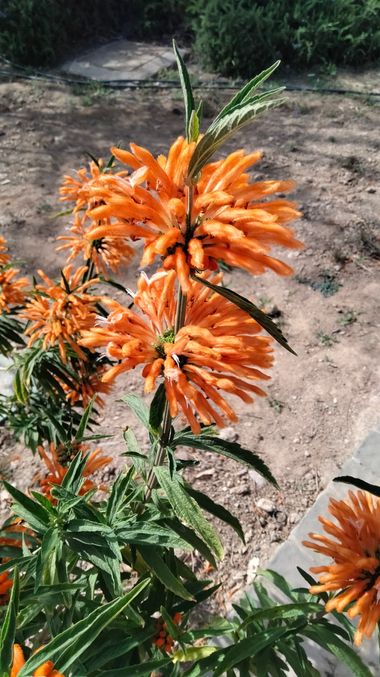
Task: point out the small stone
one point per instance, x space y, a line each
307 453
281 517
293 518
228 434
205 474
252 568
371 189
258 479
4 496
266 504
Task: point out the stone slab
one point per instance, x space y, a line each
120 60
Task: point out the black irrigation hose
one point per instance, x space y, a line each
160 83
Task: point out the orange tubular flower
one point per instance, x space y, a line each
59 312
218 349
231 219
57 459
5 585
103 252
11 289
354 574
4 257
45 670
90 385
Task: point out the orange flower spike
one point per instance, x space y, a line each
4 256
227 221
18 660
217 350
12 289
354 549
58 314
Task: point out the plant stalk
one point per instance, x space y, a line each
178 324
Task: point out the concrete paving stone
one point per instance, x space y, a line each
121 60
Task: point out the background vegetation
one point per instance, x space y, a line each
233 37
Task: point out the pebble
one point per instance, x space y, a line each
293 518
258 479
371 189
205 474
252 568
266 504
228 434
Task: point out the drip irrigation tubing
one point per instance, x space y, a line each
159 83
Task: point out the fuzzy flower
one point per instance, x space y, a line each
218 349
12 289
60 311
353 543
4 256
45 670
231 218
57 458
104 252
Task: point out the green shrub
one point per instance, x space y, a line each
235 37
155 18
39 32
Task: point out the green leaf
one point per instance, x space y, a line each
160 569
217 510
194 125
8 629
32 512
193 653
280 582
115 647
283 612
186 90
157 407
225 448
141 670
138 407
84 421
186 509
250 647
246 92
360 484
248 307
67 647
341 650
191 537
149 533
224 127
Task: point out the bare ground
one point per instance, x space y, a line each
322 403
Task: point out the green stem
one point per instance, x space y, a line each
179 322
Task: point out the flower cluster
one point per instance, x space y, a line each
12 287
104 252
219 348
224 218
59 312
353 543
163 639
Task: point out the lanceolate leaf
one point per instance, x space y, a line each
32 512
141 670
225 448
217 510
345 654
248 89
186 90
8 629
360 484
162 571
244 304
67 647
138 407
157 407
186 509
